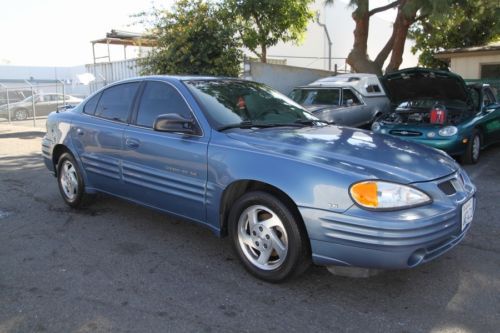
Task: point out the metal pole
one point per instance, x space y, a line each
64 94
329 42
8 102
32 102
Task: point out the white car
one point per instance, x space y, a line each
354 100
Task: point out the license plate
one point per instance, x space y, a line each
467 213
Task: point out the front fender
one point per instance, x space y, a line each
307 184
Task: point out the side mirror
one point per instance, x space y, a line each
173 122
349 102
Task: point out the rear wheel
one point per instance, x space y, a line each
473 149
267 237
70 181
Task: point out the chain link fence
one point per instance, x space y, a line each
30 104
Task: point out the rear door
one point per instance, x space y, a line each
98 136
164 170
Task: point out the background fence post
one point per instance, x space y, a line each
32 102
8 101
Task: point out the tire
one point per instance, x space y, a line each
21 114
269 239
70 181
473 149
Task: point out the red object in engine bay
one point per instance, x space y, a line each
438 116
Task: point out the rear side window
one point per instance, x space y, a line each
91 104
160 98
373 88
116 101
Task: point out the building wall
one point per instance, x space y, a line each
280 77
469 66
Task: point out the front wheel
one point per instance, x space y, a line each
473 149
70 181
268 238
21 114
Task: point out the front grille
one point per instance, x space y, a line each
405 133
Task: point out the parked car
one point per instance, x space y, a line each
438 109
14 95
44 104
243 160
347 99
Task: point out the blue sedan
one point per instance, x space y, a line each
247 162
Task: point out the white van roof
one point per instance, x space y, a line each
364 83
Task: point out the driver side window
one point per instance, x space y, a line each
160 98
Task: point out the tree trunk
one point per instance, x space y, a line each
263 53
358 57
400 31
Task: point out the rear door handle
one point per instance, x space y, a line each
132 143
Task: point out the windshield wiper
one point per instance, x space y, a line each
249 124
243 124
312 122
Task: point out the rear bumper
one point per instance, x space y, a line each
47 146
377 242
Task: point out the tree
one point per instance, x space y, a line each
409 12
466 23
264 23
195 37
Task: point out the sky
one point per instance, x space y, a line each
58 32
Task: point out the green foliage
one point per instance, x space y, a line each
264 23
465 23
194 37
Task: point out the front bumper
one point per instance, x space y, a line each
452 145
388 240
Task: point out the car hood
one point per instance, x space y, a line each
417 83
352 151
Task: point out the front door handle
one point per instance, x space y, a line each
79 131
132 143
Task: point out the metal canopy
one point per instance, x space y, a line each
124 38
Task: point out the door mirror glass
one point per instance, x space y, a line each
173 122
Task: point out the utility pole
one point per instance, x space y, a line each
329 41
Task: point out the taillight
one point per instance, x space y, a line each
438 116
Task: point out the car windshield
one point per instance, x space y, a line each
229 103
310 97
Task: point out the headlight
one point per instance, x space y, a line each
376 127
372 194
448 131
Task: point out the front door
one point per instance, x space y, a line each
167 171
